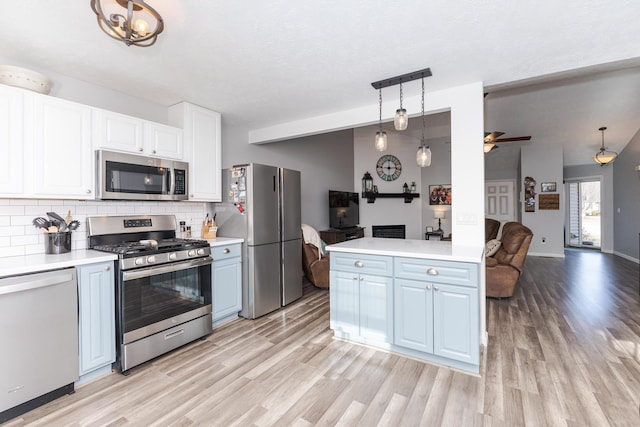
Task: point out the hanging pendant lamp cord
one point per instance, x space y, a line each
401 96
422 140
380 106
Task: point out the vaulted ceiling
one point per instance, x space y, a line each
554 70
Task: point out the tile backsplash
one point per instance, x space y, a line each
18 236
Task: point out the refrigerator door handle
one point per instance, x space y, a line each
274 183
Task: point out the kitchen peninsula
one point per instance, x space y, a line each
415 297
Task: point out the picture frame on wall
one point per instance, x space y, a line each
429 229
548 187
440 194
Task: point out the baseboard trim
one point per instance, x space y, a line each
625 256
546 255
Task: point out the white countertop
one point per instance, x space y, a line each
427 249
10 266
221 241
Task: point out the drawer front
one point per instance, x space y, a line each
362 264
226 251
456 273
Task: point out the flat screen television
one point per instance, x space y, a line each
344 209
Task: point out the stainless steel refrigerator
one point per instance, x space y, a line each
262 205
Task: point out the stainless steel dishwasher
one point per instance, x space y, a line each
39 339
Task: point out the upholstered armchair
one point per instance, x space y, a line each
491 227
316 268
505 266
314 264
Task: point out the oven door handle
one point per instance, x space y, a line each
167 268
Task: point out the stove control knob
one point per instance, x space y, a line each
139 261
201 251
151 259
191 252
173 256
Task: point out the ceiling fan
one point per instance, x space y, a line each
493 138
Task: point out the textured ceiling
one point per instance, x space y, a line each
263 63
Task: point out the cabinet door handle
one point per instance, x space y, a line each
355 277
361 279
432 272
140 149
359 264
435 288
88 191
428 287
226 251
107 268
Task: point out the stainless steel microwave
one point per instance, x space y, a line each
124 176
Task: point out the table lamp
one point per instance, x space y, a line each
439 215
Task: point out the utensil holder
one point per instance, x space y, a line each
57 243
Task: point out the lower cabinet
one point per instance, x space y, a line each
437 318
362 304
419 307
226 277
96 297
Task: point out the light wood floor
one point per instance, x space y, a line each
565 351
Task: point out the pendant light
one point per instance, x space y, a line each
401 120
604 157
423 157
381 136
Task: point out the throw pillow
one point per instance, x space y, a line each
492 247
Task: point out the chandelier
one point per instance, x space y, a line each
138 24
401 119
603 156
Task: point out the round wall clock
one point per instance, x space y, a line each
389 167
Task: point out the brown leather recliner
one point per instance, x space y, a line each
505 266
316 270
491 227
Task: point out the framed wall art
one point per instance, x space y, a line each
548 187
440 194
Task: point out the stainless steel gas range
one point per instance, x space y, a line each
163 285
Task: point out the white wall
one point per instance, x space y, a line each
18 236
325 162
544 164
388 211
438 173
76 90
627 200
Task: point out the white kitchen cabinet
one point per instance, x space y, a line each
96 296
226 282
415 306
202 149
163 141
11 142
435 308
58 155
413 314
361 298
119 132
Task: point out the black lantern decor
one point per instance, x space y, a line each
367 184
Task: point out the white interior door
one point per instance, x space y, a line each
499 200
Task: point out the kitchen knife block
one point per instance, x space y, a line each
209 230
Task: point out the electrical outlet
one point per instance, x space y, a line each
544 240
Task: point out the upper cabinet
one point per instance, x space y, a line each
202 141
114 131
47 145
57 148
11 142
